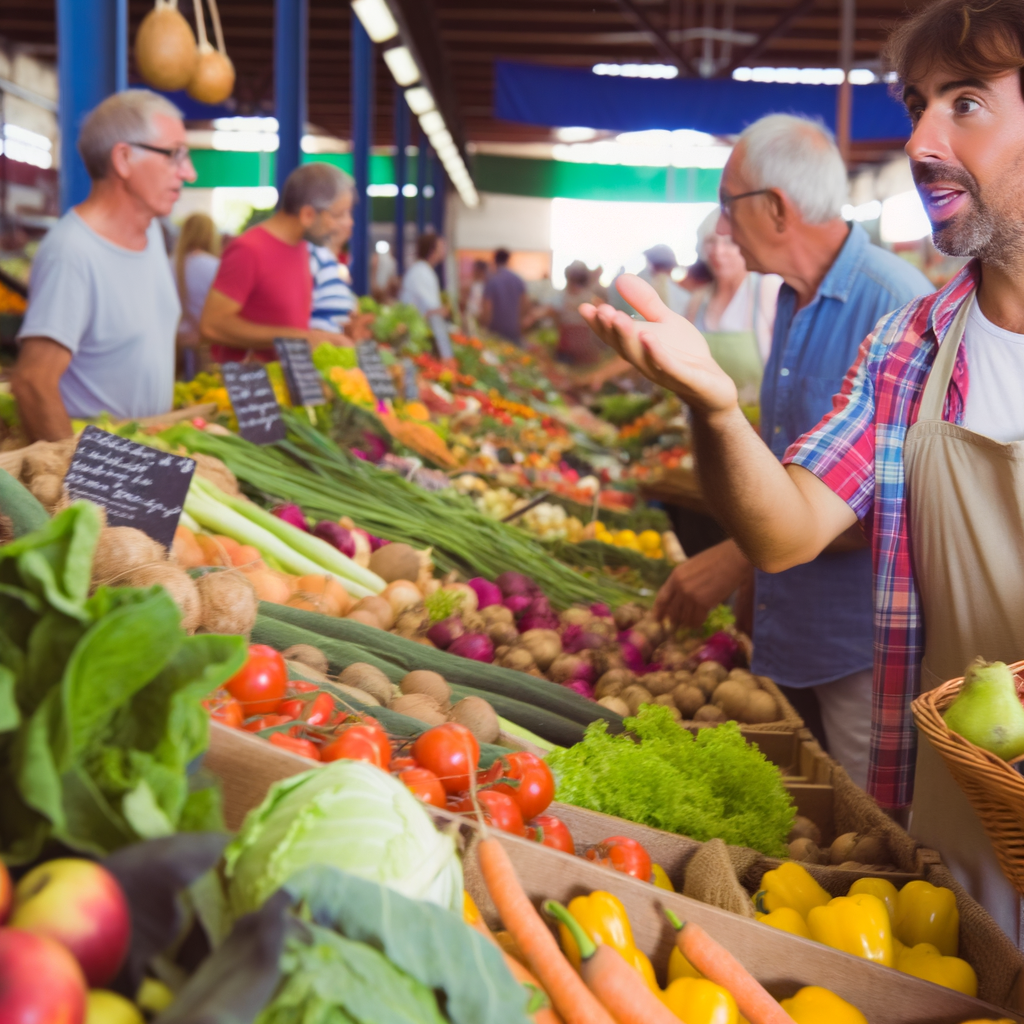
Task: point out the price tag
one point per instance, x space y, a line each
304 384
254 402
138 486
410 382
377 375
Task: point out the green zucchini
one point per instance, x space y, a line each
20 506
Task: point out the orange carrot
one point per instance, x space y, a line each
619 986
571 998
717 964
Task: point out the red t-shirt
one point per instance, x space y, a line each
272 281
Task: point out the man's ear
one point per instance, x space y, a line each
307 216
120 160
780 209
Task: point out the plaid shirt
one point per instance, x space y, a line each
857 450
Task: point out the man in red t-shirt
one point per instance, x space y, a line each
264 289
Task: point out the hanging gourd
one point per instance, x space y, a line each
213 79
165 48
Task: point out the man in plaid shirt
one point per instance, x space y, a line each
930 473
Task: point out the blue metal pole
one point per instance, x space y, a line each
421 181
440 181
291 51
401 174
92 63
363 72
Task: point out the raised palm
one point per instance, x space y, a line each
667 349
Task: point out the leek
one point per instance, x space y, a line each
306 544
214 515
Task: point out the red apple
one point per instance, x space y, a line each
6 892
79 904
40 981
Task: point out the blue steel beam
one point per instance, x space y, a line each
291 61
363 77
92 63
422 159
401 175
437 174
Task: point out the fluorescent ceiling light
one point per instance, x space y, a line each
377 19
409 191
804 76
431 123
382 191
575 134
402 65
440 139
419 99
637 70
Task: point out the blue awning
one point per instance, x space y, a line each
559 97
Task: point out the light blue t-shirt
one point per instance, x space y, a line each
115 310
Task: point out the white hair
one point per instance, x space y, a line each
124 117
799 157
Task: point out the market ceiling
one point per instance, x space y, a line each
465 38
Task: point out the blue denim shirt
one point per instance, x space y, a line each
813 623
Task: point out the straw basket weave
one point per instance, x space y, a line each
994 788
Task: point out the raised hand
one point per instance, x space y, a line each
667 349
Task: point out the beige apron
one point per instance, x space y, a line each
965 496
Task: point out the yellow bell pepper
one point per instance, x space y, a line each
880 887
786 919
680 967
855 924
814 1005
928 913
925 961
470 911
660 878
699 1001
603 917
790 885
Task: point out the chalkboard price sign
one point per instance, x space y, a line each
254 402
300 374
138 486
370 362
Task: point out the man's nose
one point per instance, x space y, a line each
930 137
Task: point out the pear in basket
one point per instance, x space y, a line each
987 710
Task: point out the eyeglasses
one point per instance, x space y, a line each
725 200
179 155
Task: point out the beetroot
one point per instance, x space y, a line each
477 646
575 639
632 657
721 647
540 606
337 536
444 633
530 621
517 604
515 583
487 593
291 513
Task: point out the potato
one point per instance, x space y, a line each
613 682
660 682
805 850
670 657
871 850
708 675
666 701
804 828
616 704
636 695
842 849
709 713
688 699
731 697
759 706
744 678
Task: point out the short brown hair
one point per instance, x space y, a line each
975 40
314 184
425 245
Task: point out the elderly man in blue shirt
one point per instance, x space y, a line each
812 623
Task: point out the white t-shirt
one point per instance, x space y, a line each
421 288
995 367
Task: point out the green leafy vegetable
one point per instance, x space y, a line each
719 618
714 785
442 603
326 356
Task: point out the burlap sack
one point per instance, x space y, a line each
710 878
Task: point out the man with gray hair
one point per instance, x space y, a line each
264 288
98 335
781 194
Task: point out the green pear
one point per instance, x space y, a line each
987 711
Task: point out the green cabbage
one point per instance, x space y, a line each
349 815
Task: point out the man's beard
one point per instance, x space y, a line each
978 230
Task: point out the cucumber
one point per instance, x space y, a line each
20 506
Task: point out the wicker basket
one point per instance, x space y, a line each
994 788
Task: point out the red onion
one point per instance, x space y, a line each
477 646
540 606
574 639
580 686
376 543
514 583
721 647
632 657
487 593
601 610
336 535
530 621
444 633
517 603
291 513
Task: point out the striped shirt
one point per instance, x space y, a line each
333 298
857 450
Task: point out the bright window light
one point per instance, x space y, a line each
402 65
419 99
431 122
382 247
903 218
654 148
440 140
245 124
409 191
637 70
377 19
575 134
804 76
382 191
870 210
862 76
231 207
245 142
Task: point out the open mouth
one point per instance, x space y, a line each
941 201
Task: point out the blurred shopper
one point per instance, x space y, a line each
781 194
384 273
475 295
505 300
99 332
737 312
196 259
578 345
420 286
661 261
334 302
264 287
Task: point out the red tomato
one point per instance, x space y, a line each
260 685
400 764
341 716
623 854
292 708
499 809
355 744
553 832
533 785
488 776
295 745
380 737
425 785
301 686
451 752
225 709
320 710
265 722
